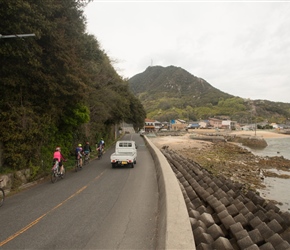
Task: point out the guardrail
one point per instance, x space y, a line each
174 228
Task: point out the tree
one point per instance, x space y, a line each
56 83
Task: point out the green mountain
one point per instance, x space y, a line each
173 93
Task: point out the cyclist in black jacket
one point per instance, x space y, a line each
87 149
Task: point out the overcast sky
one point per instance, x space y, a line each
239 47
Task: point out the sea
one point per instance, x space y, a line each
276 147
276 188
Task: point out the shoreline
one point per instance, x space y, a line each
258 133
234 161
179 141
261 133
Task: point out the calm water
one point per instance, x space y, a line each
276 147
276 188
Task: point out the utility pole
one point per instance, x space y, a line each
255 126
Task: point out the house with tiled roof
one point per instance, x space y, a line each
152 125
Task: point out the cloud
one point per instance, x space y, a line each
240 48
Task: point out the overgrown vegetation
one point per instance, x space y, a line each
57 88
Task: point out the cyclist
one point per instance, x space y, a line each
87 149
57 155
101 146
78 154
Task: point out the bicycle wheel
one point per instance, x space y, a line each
100 154
53 176
86 160
63 174
2 196
76 165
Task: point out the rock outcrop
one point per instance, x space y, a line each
18 180
246 140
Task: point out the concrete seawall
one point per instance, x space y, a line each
223 215
174 228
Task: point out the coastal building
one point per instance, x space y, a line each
149 125
152 125
215 123
228 124
178 125
193 125
204 124
222 123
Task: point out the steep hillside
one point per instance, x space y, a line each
58 88
172 92
174 82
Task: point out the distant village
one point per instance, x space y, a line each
212 123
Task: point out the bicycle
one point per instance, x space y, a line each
100 152
2 195
86 159
55 172
78 164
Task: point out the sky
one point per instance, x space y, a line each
239 47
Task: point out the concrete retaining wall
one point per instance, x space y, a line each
174 228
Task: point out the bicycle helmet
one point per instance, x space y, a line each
80 145
57 149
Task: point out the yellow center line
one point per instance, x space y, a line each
42 216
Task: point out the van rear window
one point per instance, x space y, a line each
125 144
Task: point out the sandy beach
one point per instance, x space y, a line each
259 133
178 142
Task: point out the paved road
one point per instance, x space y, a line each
96 208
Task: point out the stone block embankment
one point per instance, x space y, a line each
223 215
